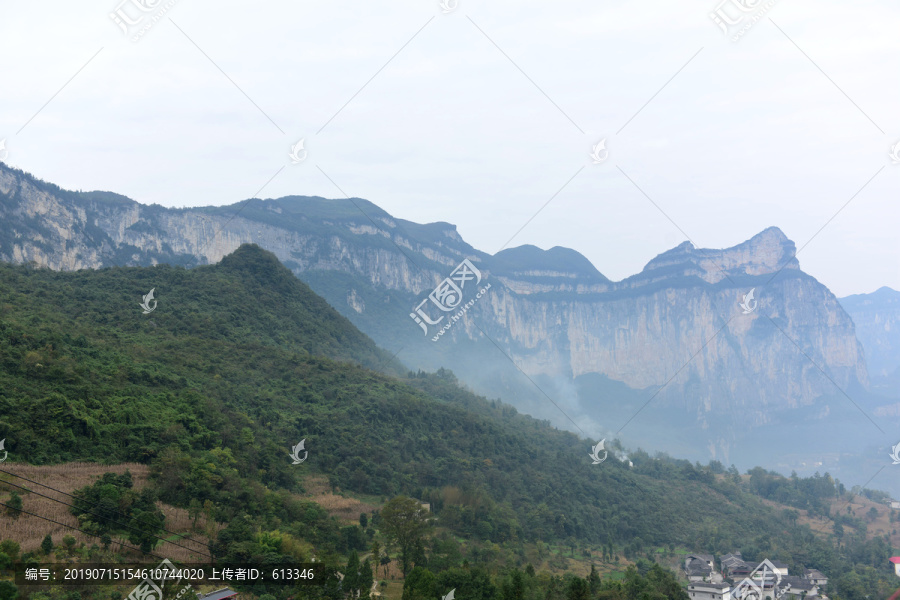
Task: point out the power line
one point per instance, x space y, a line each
76 529
77 498
99 515
104 517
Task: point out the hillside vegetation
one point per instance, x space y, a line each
240 361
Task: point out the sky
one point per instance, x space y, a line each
484 115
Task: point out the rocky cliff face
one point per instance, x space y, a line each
877 319
676 325
679 321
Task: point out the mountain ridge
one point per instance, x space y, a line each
675 327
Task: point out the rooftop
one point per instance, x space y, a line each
218 594
701 586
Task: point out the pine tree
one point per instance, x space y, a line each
579 590
376 552
514 587
366 579
47 544
351 575
594 581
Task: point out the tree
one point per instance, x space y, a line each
579 589
594 580
195 509
363 520
472 583
10 548
838 530
514 587
14 506
69 543
47 544
8 590
634 583
144 528
351 575
665 583
404 521
366 578
420 585
418 557
376 552
790 515
106 540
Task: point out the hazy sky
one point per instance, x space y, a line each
481 115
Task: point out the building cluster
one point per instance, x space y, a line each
736 579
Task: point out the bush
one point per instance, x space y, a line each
14 505
47 544
8 591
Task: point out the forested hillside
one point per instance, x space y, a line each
240 361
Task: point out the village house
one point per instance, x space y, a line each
705 583
792 587
739 570
780 567
730 560
707 558
815 576
698 567
709 591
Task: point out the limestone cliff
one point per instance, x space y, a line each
677 324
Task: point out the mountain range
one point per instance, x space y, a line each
209 384
735 354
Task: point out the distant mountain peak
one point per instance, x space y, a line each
766 252
531 261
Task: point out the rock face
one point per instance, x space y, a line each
877 319
676 326
679 321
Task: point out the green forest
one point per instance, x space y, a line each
240 361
